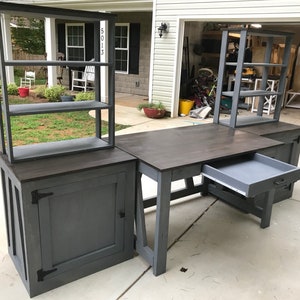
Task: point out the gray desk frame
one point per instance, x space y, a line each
173 154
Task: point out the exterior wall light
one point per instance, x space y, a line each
162 28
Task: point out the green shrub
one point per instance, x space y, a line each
12 89
18 72
53 93
85 96
40 91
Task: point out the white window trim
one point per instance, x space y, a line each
68 46
127 48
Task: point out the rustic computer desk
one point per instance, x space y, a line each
179 153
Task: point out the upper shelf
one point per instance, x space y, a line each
54 107
268 96
48 149
252 93
248 120
259 32
62 63
256 64
95 21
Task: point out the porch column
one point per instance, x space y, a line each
104 58
5 20
51 49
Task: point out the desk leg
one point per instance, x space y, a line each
162 223
267 209
142 247
141 236
189 183
205 183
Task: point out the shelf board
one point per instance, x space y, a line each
54 107
256 64
259 32
42 150
63 63
251 93
248 121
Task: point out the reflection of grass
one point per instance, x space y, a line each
40 128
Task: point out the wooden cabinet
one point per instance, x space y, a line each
68 217
244 36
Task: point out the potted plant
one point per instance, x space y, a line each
53 93
67 96
153 110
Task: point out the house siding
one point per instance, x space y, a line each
137 84
166 50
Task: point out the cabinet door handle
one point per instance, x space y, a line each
122 214
280 181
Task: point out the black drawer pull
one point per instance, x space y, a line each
280 181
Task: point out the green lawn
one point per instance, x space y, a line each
53 127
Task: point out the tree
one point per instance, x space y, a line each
29 35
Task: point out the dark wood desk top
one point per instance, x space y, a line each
272 128
171 148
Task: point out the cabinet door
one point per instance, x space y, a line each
80 222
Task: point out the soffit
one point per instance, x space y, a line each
93 5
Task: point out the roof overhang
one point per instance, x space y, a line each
32 11
93 5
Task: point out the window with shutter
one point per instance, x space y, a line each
127 48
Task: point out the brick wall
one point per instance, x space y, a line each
132 83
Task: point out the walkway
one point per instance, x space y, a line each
127 114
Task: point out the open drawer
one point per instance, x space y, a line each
252 174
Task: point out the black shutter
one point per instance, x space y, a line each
89 41
61 30
134 48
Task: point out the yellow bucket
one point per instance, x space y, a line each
185 106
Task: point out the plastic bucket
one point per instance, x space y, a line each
185 106
23 91
227 102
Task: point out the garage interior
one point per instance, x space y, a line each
201 51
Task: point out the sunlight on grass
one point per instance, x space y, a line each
32 129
